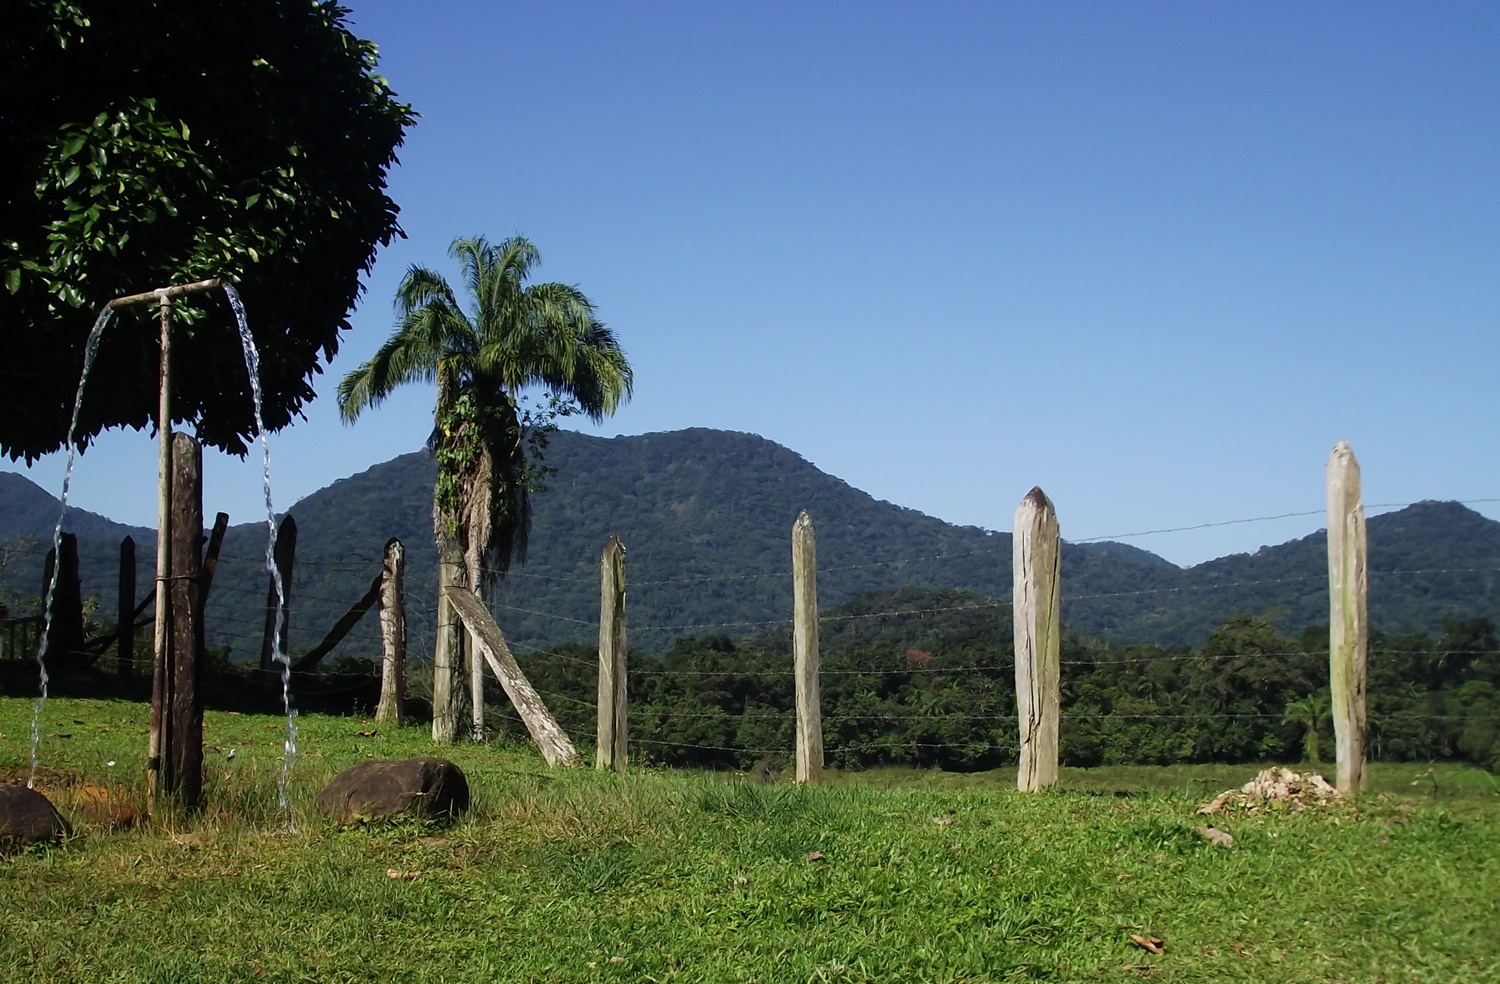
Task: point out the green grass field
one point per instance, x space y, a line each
569 875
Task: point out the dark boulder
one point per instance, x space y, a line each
427 788
28 817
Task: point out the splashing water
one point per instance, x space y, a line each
90 347
252 365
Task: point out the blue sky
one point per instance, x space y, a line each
1155 257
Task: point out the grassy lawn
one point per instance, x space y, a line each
668 876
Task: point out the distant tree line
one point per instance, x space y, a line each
937 689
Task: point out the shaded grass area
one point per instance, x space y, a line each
671 876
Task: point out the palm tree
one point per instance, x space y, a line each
1310 712
514 337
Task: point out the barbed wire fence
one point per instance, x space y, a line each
648 742
763 729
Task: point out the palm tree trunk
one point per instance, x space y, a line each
449 653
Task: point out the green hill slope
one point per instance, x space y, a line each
706 517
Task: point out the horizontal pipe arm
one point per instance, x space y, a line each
166 293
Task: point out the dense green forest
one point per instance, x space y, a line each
706 517
927 677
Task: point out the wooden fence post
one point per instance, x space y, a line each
1036 558
805 650
211 555
393 634
551 739
126 624
611 748
283 557
64 638
184 753
448 652
1348 629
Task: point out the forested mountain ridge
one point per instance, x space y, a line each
706 515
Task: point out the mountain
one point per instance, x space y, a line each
706 516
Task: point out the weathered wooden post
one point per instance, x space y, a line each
184 752
611 748
1036 558
126 640
556 748
211 555
805 650
283 557
392 634
1348 629
64 636
448 652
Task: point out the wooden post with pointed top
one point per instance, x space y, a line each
612 745
805 650
1036 556
393 634
1348 628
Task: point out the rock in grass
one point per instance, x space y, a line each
28 817
425 788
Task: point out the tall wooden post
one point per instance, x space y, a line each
126 623
1037 593
805 650
284 557
64 638
1348 629
392 634
611 749
184 752
448 653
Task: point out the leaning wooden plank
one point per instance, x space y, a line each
554 743
340 628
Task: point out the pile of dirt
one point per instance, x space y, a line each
1297 790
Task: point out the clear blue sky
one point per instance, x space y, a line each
1155 257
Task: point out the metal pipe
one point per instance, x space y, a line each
166 293
160 670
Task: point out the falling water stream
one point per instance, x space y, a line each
252 366
90 347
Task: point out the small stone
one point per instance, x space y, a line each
1217 837
28 817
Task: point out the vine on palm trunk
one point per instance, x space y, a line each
466 429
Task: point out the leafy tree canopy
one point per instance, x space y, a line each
161 143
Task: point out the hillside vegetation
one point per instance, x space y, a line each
706 516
